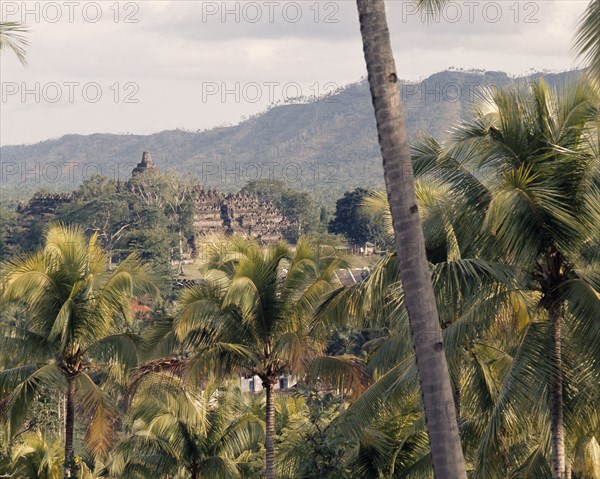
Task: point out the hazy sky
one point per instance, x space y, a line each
147 66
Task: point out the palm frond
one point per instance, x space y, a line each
15 406
378 398
525 384
101 412
12 37
123 348
346 373
587 39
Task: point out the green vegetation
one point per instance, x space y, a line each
256 311
324 148
179 431
518 301
587 40
77 326
352 221
152 214
111 369
472 349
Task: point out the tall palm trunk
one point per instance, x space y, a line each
436 389
69 464
559 469
270 428
109 254
568 473
195 472
180 265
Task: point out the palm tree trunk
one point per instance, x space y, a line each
69 464
196 472
180 266
559 470
270 429
436 388
568 473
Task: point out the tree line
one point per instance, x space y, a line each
511 227
153 215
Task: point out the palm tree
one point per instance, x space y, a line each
205 433
488 286
76 314
526 169
307 447
436 388
544 216
254 312
587 39
12 37
469 292
34 458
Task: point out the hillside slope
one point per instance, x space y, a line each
327 146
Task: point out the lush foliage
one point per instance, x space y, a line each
511 213
351 221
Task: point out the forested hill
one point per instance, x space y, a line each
328 145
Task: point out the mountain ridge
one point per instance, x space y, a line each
327 145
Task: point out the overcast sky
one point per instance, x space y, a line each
146 66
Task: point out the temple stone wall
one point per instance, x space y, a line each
237 213
41 205
234 213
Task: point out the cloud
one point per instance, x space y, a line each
165 53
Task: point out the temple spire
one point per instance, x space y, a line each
145 164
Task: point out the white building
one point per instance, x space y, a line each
254 384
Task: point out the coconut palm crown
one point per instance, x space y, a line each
76 313
255 313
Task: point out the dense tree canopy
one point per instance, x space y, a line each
100 376
351 221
